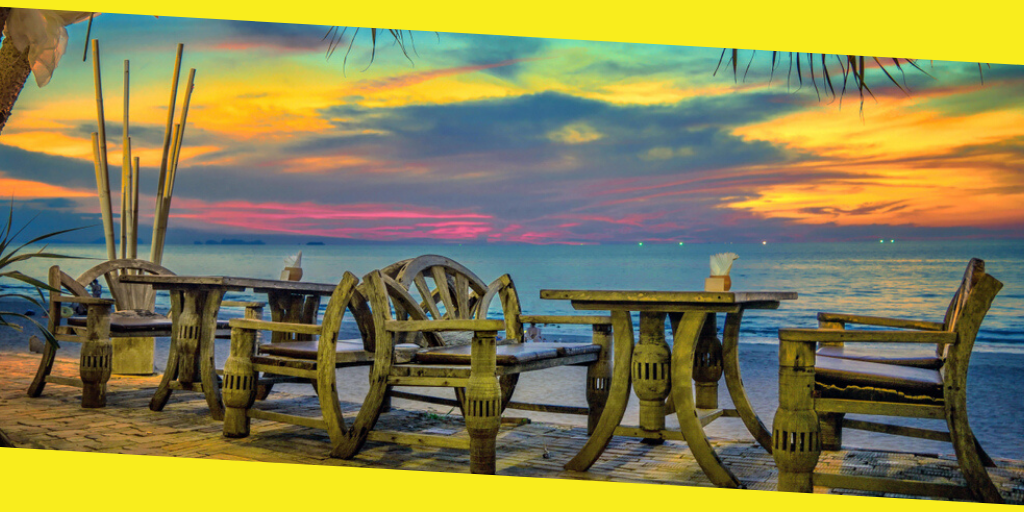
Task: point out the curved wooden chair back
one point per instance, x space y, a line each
974 273
400 305
463 294
445 289
126 296
966 322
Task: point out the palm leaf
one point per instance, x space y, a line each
46 333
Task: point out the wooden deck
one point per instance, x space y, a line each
185 429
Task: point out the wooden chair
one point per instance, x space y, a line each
128 314
315 360
477 368
420 276
818 387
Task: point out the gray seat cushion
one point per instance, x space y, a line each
917 358
307 349
507 354
862 380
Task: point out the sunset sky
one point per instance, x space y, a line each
504 139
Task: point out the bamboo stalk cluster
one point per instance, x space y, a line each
174 134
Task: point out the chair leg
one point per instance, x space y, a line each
483 405
369 413
239 389
967 453
263 391
326 386
985 459
831 430
45 366
96 357
94 367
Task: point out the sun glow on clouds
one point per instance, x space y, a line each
24 189
902 164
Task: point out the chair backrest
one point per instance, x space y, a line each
974 273
445 288
461 293
126 296
389 300
966 323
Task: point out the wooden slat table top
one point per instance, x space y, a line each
231 283
666 297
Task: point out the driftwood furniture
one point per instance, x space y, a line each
817 388
315 361
195 303
663 378
400 357
130 327
420 277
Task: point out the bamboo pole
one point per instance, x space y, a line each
126 170
172 169
173 173
160 221
133 249
131 208
103 176
156 251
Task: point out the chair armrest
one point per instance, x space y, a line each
566 320
896 323
444 325
263 325
840 335
83 300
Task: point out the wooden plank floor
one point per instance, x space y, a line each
184 429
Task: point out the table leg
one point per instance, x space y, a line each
651 373
163 391
207 369
731 362
618 394
682 395
707 364
285 307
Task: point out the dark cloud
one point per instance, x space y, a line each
55 170
141 134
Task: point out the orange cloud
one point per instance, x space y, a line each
24 189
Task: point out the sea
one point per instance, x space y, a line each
905 279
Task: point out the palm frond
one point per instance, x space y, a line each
849 67
336 37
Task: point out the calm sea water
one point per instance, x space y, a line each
904 279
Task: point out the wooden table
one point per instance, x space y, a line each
195 304
664 379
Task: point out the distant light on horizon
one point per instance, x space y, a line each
641 244
764 242
680 243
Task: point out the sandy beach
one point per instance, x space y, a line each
995 391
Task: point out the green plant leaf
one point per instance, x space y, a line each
14 274
42 329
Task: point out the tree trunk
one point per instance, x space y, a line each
14 71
